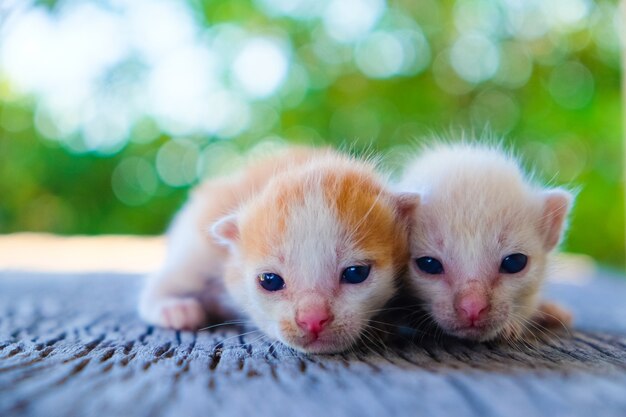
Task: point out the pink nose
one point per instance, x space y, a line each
472 308
313 321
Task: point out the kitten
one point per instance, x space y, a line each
307 244
481 241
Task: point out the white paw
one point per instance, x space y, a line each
176 313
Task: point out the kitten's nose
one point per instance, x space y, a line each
314 320
472 307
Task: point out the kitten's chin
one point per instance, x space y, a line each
482 333
325 344
323 347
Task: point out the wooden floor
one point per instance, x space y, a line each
72 345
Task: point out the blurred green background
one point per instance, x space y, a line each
110 110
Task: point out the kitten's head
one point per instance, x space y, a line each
317 254
480 242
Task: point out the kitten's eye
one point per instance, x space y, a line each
355 274
271 282
429 265
513 263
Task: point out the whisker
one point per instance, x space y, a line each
226 323
240 335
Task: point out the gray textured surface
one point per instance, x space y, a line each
73 345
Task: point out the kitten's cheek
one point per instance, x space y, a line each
272 331
279 330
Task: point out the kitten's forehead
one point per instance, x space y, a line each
320 218
479 216
482 213
313 237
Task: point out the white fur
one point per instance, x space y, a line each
477 206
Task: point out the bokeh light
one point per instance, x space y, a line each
260 67
475 57
571 85
350 20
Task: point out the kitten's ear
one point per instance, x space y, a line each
407 206
225 231
556 205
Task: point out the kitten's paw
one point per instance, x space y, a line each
176 313
552 315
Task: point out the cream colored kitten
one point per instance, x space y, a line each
481 241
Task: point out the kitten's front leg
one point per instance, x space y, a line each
174 296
